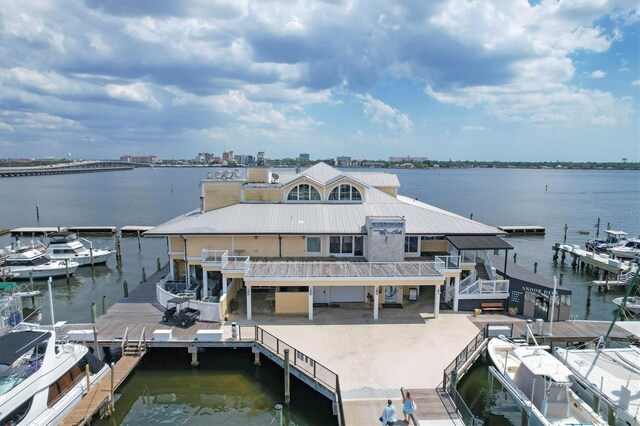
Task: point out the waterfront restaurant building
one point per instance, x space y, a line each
324 237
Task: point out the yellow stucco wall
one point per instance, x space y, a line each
391 190
434 245
260 194
195 244
217 195
264 245
258 174
232 291
293 246
292 303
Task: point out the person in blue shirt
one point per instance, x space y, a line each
389 413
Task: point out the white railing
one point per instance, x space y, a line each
214 256
344 269
486 261
468 256
245 260
209 311
450 262
467 281
487 287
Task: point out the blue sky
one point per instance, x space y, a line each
486 80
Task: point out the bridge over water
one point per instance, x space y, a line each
68 168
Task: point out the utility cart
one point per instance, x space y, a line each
178 310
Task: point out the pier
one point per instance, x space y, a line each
601 264
525 229
32 231
69 168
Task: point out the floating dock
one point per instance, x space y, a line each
525 229
134 229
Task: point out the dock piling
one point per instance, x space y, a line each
566 228
535 267
287 391
66 263
94 313
112 400
104 305
158 266
278 407
144 275
31 279
125 286
139 244
561 278
588 296
86 374
515 257
37 213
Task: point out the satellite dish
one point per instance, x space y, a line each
228 174
218 175
275 176
209 175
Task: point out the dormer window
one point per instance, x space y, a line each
303 192
345 193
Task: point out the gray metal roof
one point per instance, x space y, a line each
478 242
322 218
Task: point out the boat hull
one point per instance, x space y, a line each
44 272
99 257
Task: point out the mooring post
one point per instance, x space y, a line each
515 257
563 257
139 245
95 343
86 374
588 295
158 267
278 408
561 277
566 227
94 314
574 260
144 275
471 216
535 267
598 228
112 401
66 263
287 392
556 247
37 213
125 286
104 305
118 250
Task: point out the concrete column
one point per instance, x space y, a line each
375 301
248 303
436 302
310 302
205 284
456 293
224 284
172 270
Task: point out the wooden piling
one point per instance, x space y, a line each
566 228
158 266
125 286
112 400
104 305
37 213
86 374
144 275
598 228
66 263
561 278
588 295
139 244
515 257
535 267
94 313
287 391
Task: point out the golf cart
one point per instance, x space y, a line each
178 310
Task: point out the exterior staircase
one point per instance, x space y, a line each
133 349
481 271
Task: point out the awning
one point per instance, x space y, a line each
14 345
478 242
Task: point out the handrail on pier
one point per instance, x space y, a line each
125 339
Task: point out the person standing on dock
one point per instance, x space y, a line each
389 413
408 407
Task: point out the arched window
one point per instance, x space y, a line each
345 192
303 192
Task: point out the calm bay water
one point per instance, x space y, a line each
221 390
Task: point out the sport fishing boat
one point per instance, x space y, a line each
29 261
541 383
608 376
66 245
612 239
629 250
41 378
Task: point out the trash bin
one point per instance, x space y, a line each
413 294
540 326
477 312
234 331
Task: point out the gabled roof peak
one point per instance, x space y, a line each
322 173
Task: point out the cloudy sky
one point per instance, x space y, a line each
486 80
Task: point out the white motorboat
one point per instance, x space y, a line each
66 245
541 382
612 239
610 377
629 250
29 261
632 304
42 379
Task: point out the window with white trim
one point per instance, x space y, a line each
345 192
410 244
346 245
313 245
303 192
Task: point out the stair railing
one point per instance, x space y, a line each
142 342
125 340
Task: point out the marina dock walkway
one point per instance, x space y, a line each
100 393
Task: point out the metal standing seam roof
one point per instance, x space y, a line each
325 174
321 218
478 242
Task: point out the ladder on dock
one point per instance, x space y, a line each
101 393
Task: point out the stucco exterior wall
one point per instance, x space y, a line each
262 194
218 194
434 246
292 303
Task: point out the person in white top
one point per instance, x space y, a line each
389 413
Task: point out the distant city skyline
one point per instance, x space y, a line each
502 80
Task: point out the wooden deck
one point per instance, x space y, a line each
563 331
100 393
140 311
433 404
280 269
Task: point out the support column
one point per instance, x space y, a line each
456 293
436 302
172 270
248 303
310 302
376 289
224 284
205 284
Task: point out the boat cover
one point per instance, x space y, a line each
14 345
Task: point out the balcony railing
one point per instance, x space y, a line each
486 287
450 262
214 257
